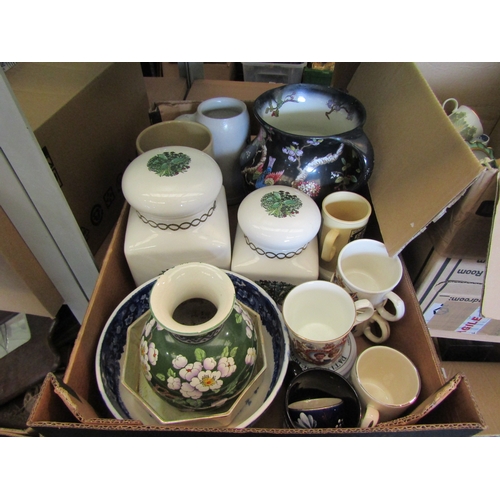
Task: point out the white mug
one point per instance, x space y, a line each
465 120
365 270
387 383
319 316
344 218
229 122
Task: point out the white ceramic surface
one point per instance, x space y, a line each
178 212
376 329
229 122
387 383
464 119
279 218
365 270
320 316
276 236
183 184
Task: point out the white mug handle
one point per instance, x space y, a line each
370 418
328 249
398 304
383 326
454 101
364 311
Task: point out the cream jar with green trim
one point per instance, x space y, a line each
178 212
276 239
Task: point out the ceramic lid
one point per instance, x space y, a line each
279 218
173 181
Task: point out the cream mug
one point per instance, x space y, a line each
464 119
175 133
319 316
387 383
229 122
344 218
366 271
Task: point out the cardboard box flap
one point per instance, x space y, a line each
491 288
422 165
45 86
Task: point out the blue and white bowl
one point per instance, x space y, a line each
113 338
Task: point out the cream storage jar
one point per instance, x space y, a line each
276 239
178 212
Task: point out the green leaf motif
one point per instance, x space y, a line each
199 354
281 204
238 317
225 352
171 373
233 352
169 163
161 376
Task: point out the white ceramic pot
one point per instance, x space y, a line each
229 122
276 237
178 212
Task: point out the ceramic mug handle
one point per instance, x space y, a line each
454 101
371 417
398 304
328 250
383 327
364 311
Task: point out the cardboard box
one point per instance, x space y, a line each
422 165
457 415
484 380
464 231
211 70
165 88
206 89
450 291
86 117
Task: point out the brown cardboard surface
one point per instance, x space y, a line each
457 415
484 380
219 70
245 91
86 117
473 84
464 231
211 70
165 89
421 163
24 286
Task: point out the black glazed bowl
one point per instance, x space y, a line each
319 383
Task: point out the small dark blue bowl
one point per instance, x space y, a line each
319 398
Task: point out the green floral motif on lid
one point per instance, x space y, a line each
281 204
169 163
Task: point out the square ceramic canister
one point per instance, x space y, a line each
275 243
178 212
